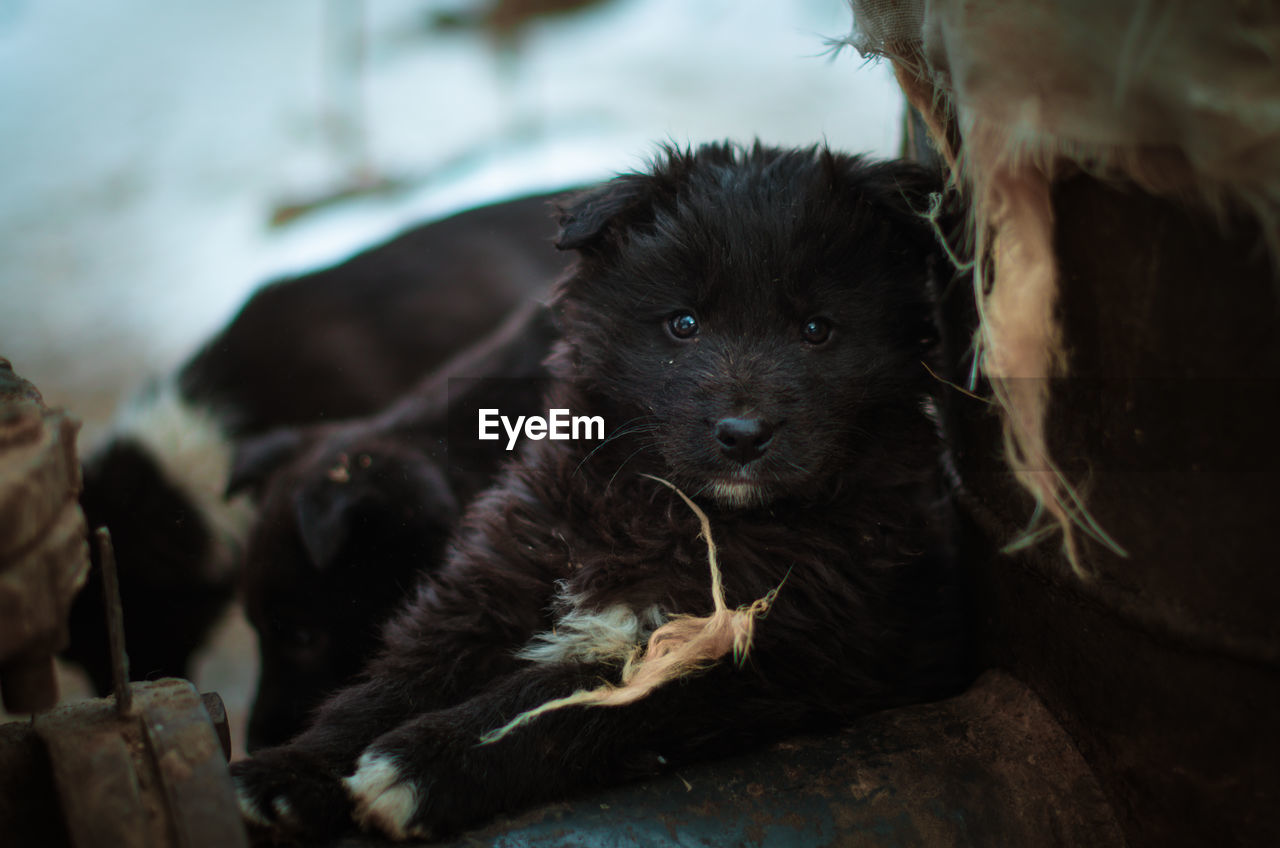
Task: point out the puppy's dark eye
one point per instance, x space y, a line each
683 325
816 331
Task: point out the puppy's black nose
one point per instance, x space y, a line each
743 439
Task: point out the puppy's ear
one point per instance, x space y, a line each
255 458
587 218
377 508
911 195
920 204
592 220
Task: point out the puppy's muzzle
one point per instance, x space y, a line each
743 439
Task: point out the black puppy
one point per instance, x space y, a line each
328 345
753 325
351 516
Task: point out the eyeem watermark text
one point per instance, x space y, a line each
558 425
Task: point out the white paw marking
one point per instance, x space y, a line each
249 808
384 799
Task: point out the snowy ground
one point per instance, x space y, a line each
144 146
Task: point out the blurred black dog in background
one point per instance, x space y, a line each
324 346
351 516
753 325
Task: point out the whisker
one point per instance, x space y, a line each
794 465
622 465
618 433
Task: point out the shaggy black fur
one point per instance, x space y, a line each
351 516
783 289
334 343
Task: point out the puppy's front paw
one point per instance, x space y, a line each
386 799
292 793
427 778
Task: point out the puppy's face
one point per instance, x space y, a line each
756 319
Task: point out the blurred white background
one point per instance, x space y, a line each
145 147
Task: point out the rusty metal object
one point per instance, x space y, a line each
30 814
115 621
152 778
44 559
990 767
146 767
218 715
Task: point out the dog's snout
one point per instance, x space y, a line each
743 439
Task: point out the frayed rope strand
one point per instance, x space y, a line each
682 646
961 389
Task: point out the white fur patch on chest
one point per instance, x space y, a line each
583 635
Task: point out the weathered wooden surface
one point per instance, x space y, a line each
84 775
1164 666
